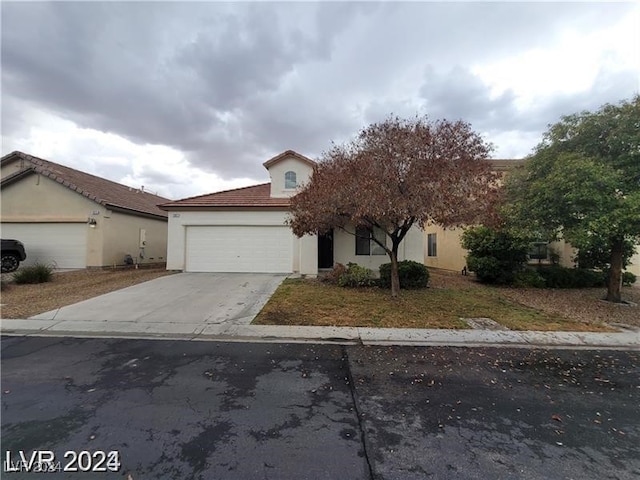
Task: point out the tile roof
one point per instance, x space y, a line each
259 196
100 190
254 196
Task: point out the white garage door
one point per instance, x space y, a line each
61 244
257 249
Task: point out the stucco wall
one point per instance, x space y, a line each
451 255
178 221
344 249
276 172
122 237
40 199
635 264
12 167
449 252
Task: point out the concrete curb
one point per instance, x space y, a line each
627 340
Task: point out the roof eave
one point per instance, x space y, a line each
131 211
287 153
183 208
14 177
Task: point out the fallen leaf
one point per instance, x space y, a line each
556 418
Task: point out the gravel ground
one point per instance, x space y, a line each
583 305
23 301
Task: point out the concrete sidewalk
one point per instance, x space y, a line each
625 340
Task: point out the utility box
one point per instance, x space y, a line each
143 238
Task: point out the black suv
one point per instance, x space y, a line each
12 254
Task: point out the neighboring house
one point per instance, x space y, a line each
444 247
72 219
244 230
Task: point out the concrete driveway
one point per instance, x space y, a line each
184 304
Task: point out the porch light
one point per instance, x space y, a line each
92 222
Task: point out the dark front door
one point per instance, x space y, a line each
325 250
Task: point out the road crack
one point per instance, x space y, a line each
359 414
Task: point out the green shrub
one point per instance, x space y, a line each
334 275
356 276
36 273
561 277
529 278
490 270
412 274
494 255
628 279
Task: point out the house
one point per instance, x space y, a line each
444 246
72 219
244 230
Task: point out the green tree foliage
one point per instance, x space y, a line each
494 255
582 183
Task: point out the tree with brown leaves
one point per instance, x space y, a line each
397 174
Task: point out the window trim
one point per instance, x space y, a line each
538 250
365 245
290 177
432 245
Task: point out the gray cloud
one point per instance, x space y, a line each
230 84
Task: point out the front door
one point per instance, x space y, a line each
325 250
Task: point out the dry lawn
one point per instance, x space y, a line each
23 301
450 297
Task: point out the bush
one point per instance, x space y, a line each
490 270
562 277
356 276
494 255
412 275
36 273
529 278
628 279
334 275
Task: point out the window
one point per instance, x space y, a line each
290 180
432 245
538 251
365 245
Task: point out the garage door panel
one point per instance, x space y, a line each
258 249
61 244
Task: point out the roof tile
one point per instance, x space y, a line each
98 189
254 196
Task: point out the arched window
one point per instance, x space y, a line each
290 180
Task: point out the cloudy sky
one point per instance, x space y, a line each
191 98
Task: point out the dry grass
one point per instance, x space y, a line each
580 305
309 302
23 301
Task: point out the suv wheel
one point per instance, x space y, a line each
10 262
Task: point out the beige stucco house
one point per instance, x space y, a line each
72 219
244 230
444 247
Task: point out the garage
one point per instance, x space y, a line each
63 245
246 248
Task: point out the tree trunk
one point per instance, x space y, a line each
395 278
615 272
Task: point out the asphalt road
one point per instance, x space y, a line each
206 410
